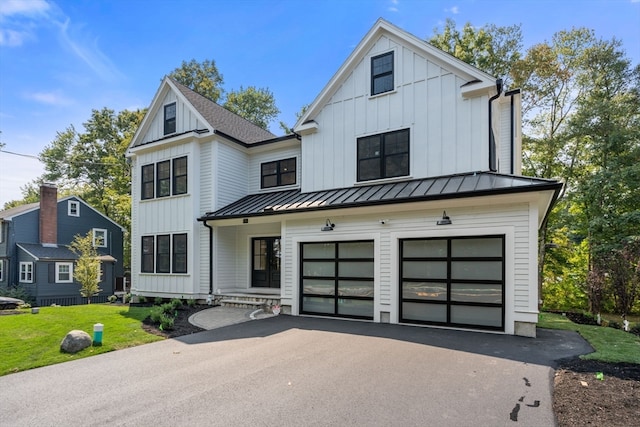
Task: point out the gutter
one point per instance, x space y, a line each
492 139
512 135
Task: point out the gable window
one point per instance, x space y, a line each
73 208
383 156
99 238
148 180
163 254
64 272
382 73
180 175
179 254
26 272
170 118
147 254
163 173
278 173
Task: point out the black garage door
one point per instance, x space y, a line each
453 281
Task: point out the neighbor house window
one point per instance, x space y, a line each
383 156
169 118
163 178
382 73
26 272
147 254
277 173
73 208
64 272
148 180
180 175
1 270
99 238
168 251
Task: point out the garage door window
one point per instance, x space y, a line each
453 281
337 279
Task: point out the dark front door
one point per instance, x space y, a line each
266 262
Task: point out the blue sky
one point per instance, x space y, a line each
59 59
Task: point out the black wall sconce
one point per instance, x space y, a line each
445 219
328 226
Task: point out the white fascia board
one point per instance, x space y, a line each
27 252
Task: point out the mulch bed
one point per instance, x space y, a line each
181 325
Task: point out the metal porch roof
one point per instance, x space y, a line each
473 184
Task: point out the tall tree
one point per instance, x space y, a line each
202 77
254 104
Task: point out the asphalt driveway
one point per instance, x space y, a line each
296 371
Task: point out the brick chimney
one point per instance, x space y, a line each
48 214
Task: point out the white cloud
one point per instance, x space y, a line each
50 98
455 10
393 7
23 7
13 38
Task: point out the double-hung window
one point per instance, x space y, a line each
73 208
26 272
278 173
99 238
64 272
179 253
382 73
164 253
148 181
383 156
170 118
147 254
163 178
180 175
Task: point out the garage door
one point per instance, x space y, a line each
453 281
336 279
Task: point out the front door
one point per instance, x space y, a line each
266 262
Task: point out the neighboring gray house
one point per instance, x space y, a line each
34 251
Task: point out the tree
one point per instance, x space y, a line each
202 77
254 104
87 266
285 128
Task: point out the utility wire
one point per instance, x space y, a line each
21 155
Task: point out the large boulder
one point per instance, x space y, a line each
75 341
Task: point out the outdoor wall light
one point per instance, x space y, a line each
328 226
445 219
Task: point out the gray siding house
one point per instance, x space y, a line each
34 251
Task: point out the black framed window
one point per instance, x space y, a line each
147 254
453 281
337 278
148 181
179 256
384 155
382 73
180 175
170 118
278 173
163 254
163 178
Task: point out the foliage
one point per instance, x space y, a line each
28 341
156 314
166 322
254 104
87 266
191 302
624 267
18 292
158 300
176 304
167 308
201 77
112 298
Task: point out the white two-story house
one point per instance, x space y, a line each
398 199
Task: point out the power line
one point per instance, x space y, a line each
20 154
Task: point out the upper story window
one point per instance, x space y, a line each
73 208
26 272
384 155
382 73
164 178
278 173
169 118
99 238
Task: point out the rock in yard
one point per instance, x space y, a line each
75 341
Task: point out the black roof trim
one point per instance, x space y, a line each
259 143
173 135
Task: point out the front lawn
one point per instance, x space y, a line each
611 345
32 340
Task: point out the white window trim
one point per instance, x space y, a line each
26 269
104 242
70 204
1 270
1 231
60 264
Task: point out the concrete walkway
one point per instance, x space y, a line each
218 317
294 371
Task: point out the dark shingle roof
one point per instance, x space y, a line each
10 213
48 252
224 120
445 187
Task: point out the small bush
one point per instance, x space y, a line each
16 292
142 300
156 314
615 325
167 308
635 329
191 303
158 300
176 303
25 305
112 298
166 323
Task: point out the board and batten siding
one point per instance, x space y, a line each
205 199
186 119
448 133
231 172
256 160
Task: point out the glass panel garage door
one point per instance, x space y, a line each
453 281
337 279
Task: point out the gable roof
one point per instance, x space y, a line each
474 184
219 119
477 80
40 252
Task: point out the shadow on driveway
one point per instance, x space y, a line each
547 349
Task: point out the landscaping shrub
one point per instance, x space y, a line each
191 303
142 300
158 300
615 325
156 314
635 329
176 303
167 308
16 292
112 298
166 322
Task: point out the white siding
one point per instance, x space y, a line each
449 134
255 160
186 119
231 171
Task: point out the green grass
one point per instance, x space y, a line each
32 340
611 345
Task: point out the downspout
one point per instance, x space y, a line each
492 138
210 297
512 136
